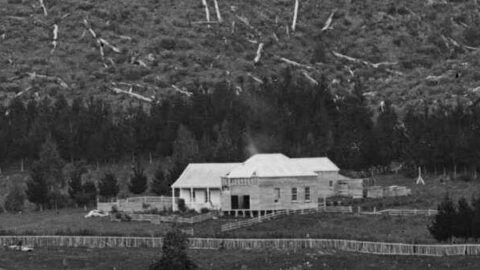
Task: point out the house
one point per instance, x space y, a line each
264 182
200 185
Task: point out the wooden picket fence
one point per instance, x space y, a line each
248 244
262 218
403 212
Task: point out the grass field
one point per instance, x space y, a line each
48 222
81 258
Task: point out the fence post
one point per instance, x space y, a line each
374 209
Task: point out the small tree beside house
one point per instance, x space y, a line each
15 200
443 223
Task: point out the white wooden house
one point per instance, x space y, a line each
264 182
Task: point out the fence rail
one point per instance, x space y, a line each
261 218
262 244
157 219
403 212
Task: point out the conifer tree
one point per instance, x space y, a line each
463 221
442 225
37 188
108 186
160 184
138 181
15 200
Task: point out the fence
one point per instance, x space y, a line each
134 204
403 212
252 221
157 219
261 244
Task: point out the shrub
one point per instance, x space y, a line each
174 254
465 177
181 205
204 210
15 200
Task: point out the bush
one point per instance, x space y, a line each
204 210
181 205
174 253
465 177
15 200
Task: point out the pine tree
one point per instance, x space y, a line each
463 220
185 147
138 181
174 253
37 188
75 182
442 225
476 219
108 186
160 184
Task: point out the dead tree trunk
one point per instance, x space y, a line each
295 15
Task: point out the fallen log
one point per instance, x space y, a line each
181 91
310 78
207 11
352 59
34 75
259 53
23 92
132 94
55 38
293 63
328 22
295 15
217 10
254 78
42 4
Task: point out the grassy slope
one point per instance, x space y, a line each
230 259
179 52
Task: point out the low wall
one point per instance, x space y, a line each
157 219
262 244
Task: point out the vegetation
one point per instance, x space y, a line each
459 221
174 253
138 181
15 200
108 186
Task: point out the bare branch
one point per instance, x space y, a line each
23 92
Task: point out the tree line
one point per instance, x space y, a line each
461 220
285 114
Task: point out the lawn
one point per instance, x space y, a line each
82 258
48 222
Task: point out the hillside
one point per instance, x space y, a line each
407 51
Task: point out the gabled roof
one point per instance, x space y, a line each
317 164
202 175
270 165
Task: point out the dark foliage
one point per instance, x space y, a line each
37 188
138 181
108 186
15 200
442 226
174 253
160 184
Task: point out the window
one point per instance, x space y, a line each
307 193
294 194
330 183
276 194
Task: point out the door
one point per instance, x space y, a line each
234 201
246 202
